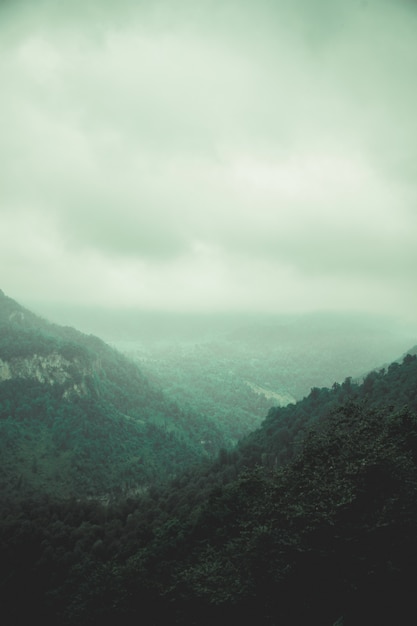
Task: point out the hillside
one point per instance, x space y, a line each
233 368
285 428
317 526
78 418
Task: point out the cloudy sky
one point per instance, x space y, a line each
210 155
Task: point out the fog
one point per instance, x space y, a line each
209 157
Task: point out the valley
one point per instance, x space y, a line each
207 479
233 369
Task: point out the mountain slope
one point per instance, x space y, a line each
279 438
233 368
329 538
78 418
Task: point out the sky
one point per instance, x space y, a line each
213 155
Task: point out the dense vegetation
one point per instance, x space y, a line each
208 383
310 520
77 418
233 370
285 428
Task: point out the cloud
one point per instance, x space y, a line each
195 155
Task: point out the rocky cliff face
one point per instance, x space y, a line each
50 369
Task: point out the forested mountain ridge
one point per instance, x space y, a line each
234 368
285 428
79 418
320 532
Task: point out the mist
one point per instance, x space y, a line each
223 157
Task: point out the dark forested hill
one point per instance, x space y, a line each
311 520
234 368
78 418
281 434
329 538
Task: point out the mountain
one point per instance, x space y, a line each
78 418
310 520
234 368
285 428
327 538
236 353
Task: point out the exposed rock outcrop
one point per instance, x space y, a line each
50 369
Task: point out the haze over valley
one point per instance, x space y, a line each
208 330
111 488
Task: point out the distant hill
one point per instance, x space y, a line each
311 520
233 368
78 418
286 354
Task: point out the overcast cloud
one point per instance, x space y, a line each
213 155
